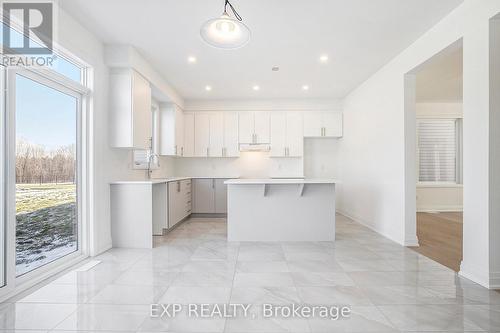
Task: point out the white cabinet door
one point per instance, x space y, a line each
313 124
262 124
216 135
203 195
246 127
130 110
173 204
179 131
220 196
294 134
171 130
278 134
188 146
201 134
167 130
141 108
231 147
332 123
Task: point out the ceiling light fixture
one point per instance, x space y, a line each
323 58
192 59
226 32
208 88
305 87
256 88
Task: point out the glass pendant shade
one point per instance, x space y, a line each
225 32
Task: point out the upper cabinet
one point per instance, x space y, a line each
216 134
188 121
231 147
254 127
171 130
287 139
130 110
323 124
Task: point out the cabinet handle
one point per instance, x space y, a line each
285 151
178 186
182 151
223 151
175 150
208 149
213 182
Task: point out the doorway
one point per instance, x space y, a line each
439 181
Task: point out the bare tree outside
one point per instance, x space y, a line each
46 183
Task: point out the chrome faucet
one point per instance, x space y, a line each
150 159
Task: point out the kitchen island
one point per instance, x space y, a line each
281 209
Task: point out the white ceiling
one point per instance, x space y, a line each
359 36
441 78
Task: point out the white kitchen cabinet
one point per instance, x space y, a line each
203 195
254 127
188 150
286 134
130 110
209 196
179 201
278 134
220 196
294 134
231 148
216 146
322 124
171 130
201 134
216 134
246 127
333 124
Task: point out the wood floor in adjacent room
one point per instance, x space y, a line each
440 237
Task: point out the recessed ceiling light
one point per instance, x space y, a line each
323 58
305 87
256 88
275 68
192 59
208 88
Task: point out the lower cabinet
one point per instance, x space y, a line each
209 196
179 201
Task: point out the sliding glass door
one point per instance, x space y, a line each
46 173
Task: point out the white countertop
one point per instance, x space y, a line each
281 181
163 180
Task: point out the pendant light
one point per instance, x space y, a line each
226 32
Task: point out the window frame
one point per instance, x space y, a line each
59 82
458 152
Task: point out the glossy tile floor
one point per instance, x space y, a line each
388 287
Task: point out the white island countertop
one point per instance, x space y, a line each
281 181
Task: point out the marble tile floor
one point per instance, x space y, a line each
388 288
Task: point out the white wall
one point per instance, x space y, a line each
106 164
373 148
442 197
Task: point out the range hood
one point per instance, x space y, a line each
255 147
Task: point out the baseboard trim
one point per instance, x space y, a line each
471 273
495 280
433 209
369 226
411 240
